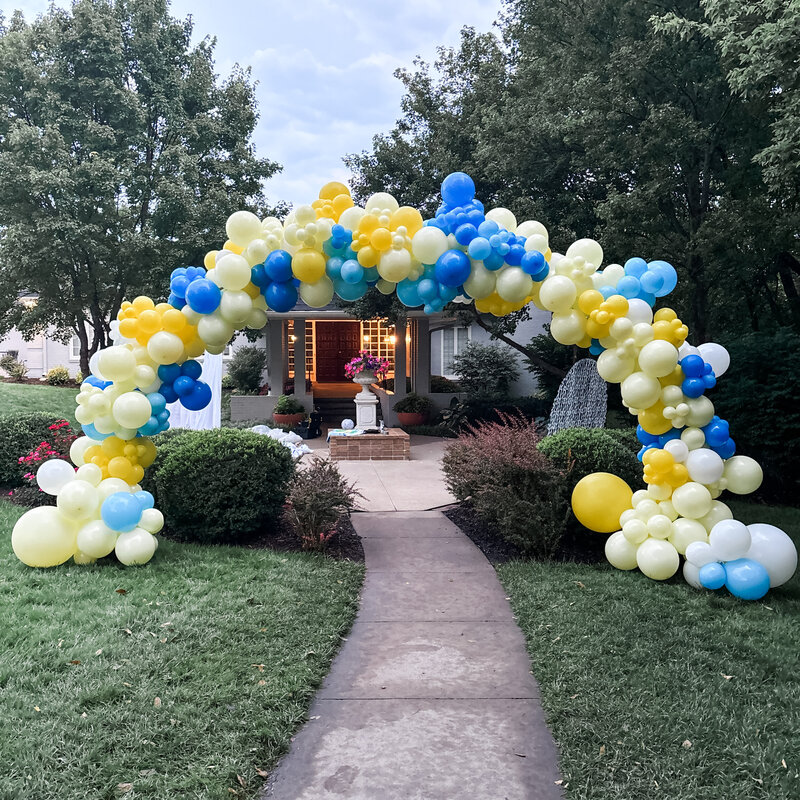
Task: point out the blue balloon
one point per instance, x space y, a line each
121 511
151 427
635 267
493 261
175 301
533 262
651 282
192 368
169 373
447 293
628 286
157 402
203 296
146 500
259 277
184 386
427 289
350 291
479 248
179 284
278 266
452 268
466 233
170 395
281 297
669 275
458 189
352 272
199 398
712 576
515 254
333 267
408 293
92 432
93 381
746 579
488 228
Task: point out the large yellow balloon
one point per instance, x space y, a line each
43 538
599 499
308 265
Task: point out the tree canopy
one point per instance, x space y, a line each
666 135
122 154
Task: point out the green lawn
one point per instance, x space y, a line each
185 685
661 691
29 397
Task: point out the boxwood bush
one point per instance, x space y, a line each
21 432
220 486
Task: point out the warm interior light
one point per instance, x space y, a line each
293 338
366 337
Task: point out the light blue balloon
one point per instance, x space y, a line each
746 579
668 273
350 291
635 267
712 576
352 272
121 511
408 293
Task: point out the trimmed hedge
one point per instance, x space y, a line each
20 433
220 486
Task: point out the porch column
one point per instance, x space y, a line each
276 338
399 360
422 369
300 360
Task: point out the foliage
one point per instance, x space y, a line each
58 376
478 410
21 433
318 498
375 305
365 362
78 380
119 149
550 351
595 118
439 430
413 403
388 384
512 485
227 383
17 370
288 404
442 385
758 396
581 451
241 480
626 437
485 371
246 368
243 637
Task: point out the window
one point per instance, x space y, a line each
453 342
74 349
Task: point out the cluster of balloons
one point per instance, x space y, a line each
464 254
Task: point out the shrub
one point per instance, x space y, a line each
388 384
440 384
20 434
222 485
318 498
413 403
16 369
288 405
430 430
246 368
581 451
78 378
513 486
476 410
58 376
626 437
758 396
486 371
227 383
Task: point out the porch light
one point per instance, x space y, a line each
293 338
366 337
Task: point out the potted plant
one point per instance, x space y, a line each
288 411
413 409
365 368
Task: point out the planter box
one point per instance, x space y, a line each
411 417
256 407
288 419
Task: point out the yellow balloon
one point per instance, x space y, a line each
132 409
317 294
242 227
657 559
308 265
599 499
165 348
620 552
96 539
42 537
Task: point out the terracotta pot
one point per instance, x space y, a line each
288 419
412 417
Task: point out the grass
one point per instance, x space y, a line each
189 684
661 691
30 397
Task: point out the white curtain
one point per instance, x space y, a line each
210 416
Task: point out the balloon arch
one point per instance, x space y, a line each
465 254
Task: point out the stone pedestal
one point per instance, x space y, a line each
366 409
392 445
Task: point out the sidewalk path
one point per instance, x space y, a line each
431 697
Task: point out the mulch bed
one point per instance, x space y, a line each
577 545
345 545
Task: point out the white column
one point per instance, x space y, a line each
422 369
276 337
300 360
399 360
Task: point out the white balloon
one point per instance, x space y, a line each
691 575
54 475
679 451
704 465
716 355
639 311
699 553
687 349
729 540
94 367
774 550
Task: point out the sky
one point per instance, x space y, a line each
325 70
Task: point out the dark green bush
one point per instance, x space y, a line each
581 451
414 403
288 404
512 485
626 437
486 371
221 485
246 369
758 397
440 384
20 433
430 430
475 410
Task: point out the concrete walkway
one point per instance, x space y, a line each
431 697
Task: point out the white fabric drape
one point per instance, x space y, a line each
210 416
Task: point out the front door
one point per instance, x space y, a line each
335 344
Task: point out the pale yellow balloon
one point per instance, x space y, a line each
317 294
96 539
117 363
620 552
214 330
110 486
394 265
257 319
385 287
588 249
513 284
658 358
165 348
78 500
132 409
558 293
481 282
381 202
82 558
503 217
428 244
640 390
42 537
144 376
192 317
256 252
90 473
614 368
350 217
657 559
701 411
686 531
242 227
719 511
537 242
530 227
235 307
692 500
78 448
232 272
152 520
568 328
742 474
135 547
